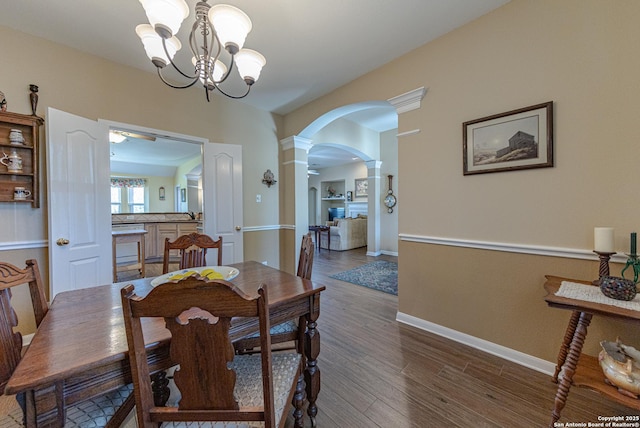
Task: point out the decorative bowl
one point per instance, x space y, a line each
621 366
618 288
205 272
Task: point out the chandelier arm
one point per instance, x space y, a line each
164 45
235 97
166 82
228 73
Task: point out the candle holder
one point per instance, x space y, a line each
604 265
634 262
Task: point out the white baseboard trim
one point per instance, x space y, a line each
509 354
389 253
26 340
571 253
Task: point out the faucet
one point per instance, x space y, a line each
191 214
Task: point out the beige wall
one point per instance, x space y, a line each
579 54
92 87
389 221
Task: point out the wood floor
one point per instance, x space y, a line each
377 372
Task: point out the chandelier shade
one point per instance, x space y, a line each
166 14
219 29
152 43
232 26
249 63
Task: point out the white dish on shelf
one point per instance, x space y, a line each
227 273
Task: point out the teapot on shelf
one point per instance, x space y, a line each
13 162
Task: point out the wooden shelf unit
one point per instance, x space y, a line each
28 151
580 369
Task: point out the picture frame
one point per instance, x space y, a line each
361 186
183 195
514 140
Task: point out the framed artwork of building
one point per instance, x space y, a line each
517 139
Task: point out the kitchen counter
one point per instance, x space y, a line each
143 218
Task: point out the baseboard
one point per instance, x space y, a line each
26 340
509 354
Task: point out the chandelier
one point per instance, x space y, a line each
217 29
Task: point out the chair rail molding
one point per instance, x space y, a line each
24 245
262 228
571 253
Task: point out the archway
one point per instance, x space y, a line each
366 147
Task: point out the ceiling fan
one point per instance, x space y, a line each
116 136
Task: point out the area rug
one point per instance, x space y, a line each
380 275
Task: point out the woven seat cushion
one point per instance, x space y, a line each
94 413
13 419
285 327
248 389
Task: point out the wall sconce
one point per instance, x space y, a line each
268 178
161 193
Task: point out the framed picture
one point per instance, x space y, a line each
361 187
183 194
518 139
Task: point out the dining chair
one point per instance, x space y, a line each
213 384
107 410
290 330
193 250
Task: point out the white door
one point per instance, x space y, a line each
79 203
222 170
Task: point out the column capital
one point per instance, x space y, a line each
295 142
373 164
408 101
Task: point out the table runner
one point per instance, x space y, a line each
590 293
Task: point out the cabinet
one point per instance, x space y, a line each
27 151
158 232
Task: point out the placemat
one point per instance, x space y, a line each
590 293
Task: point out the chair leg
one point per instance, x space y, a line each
122 412
298 402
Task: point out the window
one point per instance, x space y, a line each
116 200
128 195
136 199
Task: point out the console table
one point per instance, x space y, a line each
318 231
579 369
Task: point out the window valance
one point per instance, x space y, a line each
128 182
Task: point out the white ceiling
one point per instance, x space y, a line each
312 47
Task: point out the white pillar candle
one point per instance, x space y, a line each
603 239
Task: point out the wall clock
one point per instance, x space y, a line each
390 200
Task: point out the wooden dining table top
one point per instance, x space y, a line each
84 329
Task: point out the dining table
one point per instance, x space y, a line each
80 349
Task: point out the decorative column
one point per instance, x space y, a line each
295 197
373 201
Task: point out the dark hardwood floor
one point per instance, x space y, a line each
377 372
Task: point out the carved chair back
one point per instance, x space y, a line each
192 249
198 314
305 263
10 341
291 330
